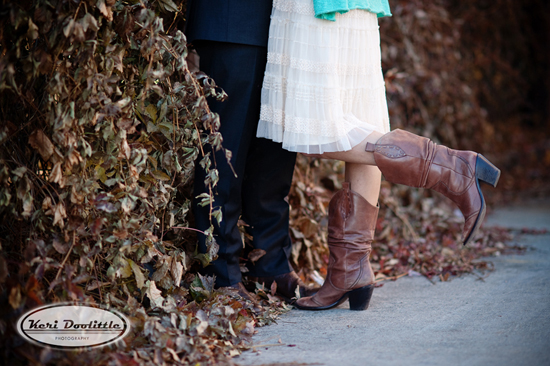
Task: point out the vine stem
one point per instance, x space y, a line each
97 279
63 263
189 228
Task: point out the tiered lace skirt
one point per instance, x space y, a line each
323 88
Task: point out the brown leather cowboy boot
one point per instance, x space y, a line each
351 224
416 161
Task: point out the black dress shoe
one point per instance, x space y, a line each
287 284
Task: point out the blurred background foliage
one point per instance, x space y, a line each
102 123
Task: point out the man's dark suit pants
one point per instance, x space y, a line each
264 170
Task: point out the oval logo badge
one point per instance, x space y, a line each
70 326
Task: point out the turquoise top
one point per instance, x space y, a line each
327 9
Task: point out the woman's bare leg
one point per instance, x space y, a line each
361 170
365 180
356 155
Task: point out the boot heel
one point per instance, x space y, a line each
359 298
486 171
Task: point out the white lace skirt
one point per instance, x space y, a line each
323 88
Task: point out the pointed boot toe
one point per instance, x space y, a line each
306 303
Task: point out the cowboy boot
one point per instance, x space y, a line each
351 224
416 161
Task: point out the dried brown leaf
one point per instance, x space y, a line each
40 142
59 215
105 10
256 254
154 294
56 175
140 278
15 298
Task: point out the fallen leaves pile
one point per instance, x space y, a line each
196 325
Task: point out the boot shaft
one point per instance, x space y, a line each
351 219
351 224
